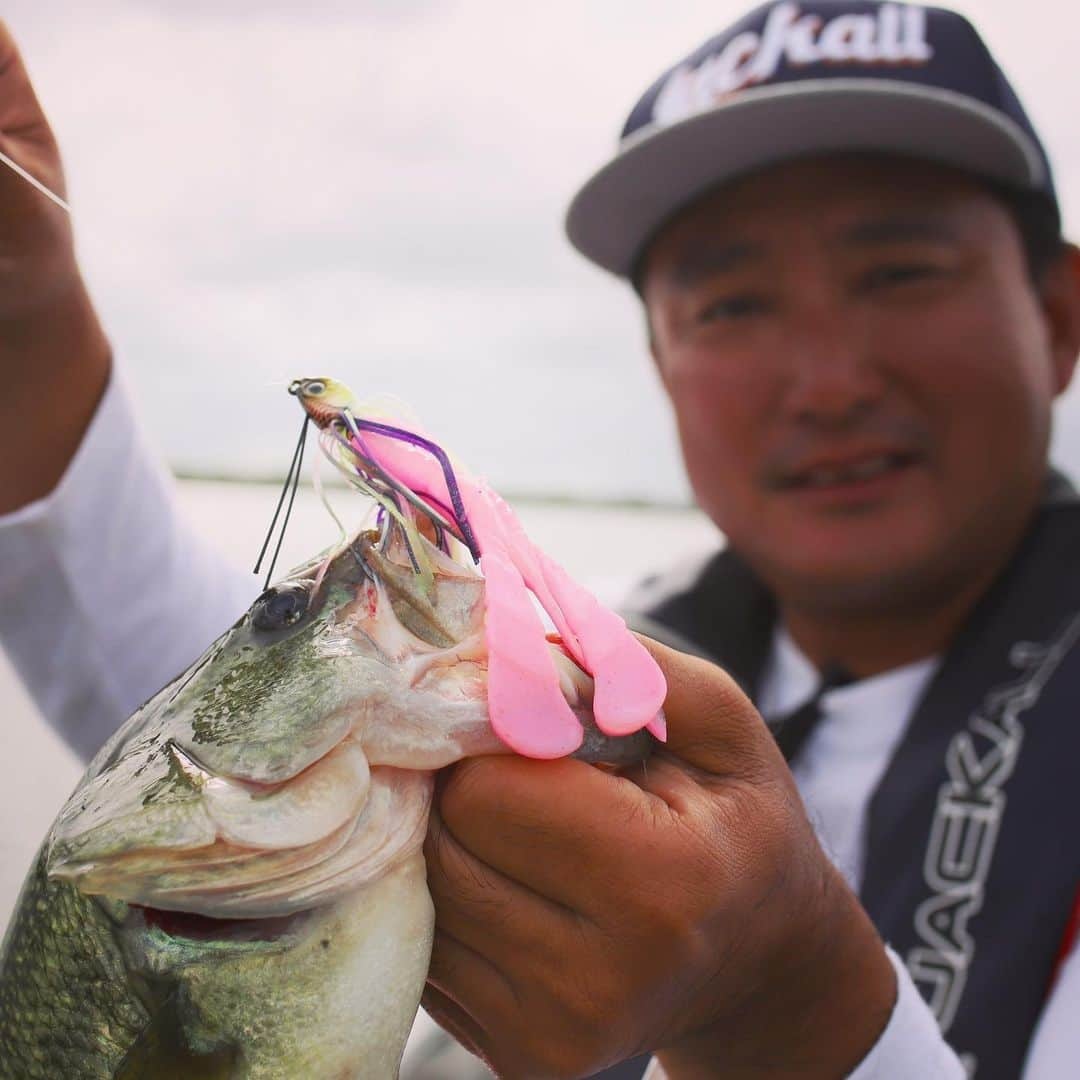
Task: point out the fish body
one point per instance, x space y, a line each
236 887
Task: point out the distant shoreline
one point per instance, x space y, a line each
529 498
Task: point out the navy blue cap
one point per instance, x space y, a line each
792 80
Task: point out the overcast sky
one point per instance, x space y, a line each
374 190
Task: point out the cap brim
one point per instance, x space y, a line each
659 170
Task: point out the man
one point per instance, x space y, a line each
836 329
846 239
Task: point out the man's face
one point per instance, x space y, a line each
862 374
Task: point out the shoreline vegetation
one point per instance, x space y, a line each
525 498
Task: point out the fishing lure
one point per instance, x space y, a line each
419 488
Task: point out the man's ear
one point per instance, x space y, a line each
1059 295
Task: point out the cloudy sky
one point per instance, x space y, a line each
374 190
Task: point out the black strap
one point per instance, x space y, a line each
792 731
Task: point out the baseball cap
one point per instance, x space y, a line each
794 79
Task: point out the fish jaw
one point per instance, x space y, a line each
333 994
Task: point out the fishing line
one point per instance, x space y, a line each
35 181
316 477
293 477
288 509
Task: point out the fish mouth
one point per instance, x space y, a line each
191 926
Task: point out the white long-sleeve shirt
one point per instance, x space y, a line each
106 593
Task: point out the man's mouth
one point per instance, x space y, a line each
846 472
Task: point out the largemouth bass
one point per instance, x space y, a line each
236 888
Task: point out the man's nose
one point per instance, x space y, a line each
831 376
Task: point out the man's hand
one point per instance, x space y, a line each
35 235
686 908
54 359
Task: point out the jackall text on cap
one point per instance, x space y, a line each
795 79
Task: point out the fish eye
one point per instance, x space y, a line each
315 387
279 608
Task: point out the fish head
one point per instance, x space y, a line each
321 711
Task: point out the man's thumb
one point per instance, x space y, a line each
711 723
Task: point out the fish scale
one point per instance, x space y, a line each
66 1006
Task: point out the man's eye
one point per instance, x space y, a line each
738 306
899 274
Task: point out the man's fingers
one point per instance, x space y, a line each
470 896
557 828
451 1017
11 64
25 135
510 1034
506 1062
16 92
469 979
19 106
711 723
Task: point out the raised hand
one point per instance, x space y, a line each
583 917
54 359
